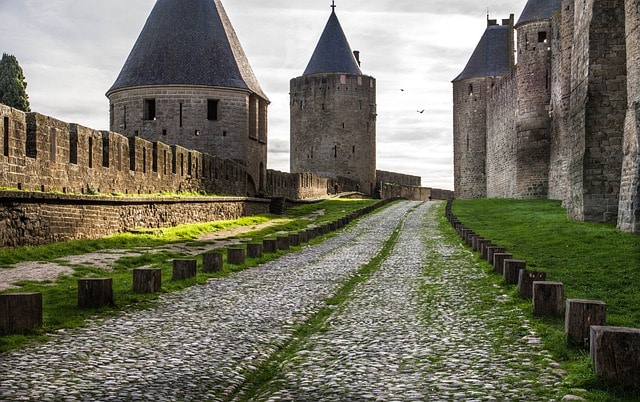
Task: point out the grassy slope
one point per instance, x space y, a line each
594 261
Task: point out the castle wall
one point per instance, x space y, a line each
561 45
501 163
296 186
38 218
629 209
333 127
470 137
398 178
226 123
598 108
44 154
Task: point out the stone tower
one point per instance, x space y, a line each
333 113
188 82
533 82
492 58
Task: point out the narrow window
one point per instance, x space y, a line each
111 115
53 144
353 150
144 160
470 90
343 79
90 152
5 143
149 109
335 151
124 117
180 114
164 162
212 109
181 165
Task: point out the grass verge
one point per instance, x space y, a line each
594 261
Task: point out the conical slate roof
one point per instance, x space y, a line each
333 53
536 10
491 56
188 42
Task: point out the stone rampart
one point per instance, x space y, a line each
296 186
28 218
398 178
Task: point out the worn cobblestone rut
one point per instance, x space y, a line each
389 342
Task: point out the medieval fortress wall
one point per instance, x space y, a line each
562 123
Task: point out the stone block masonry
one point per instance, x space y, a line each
38 218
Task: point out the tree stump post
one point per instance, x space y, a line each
498 261
492 251
512 270
184 269
548 299
20 312
95 292
484 249
282 242
254 250
525 282
616 354
147 280
269 246
580 316
236 256
212 262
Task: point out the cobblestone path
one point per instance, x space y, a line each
417 330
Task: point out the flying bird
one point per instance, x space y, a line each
420 111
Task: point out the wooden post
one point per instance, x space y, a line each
294 240
20 312
498 261
525 282
548 299
282 242
236 256
183 269
484 249
147 280
95 292
254 250
512 270
580 316
212 262
616 354
269 246
492 251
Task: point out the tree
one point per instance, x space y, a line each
13 87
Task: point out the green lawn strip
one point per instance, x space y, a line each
262 380
594 261
60 309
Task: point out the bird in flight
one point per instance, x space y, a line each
420 111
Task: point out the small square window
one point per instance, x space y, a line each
542 37
212 109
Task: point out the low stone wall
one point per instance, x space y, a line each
42 218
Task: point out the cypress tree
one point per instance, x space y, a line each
13 87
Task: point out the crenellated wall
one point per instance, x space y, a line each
398 178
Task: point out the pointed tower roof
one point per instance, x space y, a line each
333 53
188 43
536 10
491 57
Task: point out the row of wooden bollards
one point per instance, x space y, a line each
22 312
615 350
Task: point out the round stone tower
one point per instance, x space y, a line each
491 59
533 77
188 82
333 113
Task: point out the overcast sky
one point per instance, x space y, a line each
72 51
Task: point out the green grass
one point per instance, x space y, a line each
60 309
594 261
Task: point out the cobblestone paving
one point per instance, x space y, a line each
389 342
412 333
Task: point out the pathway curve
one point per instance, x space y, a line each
390 342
